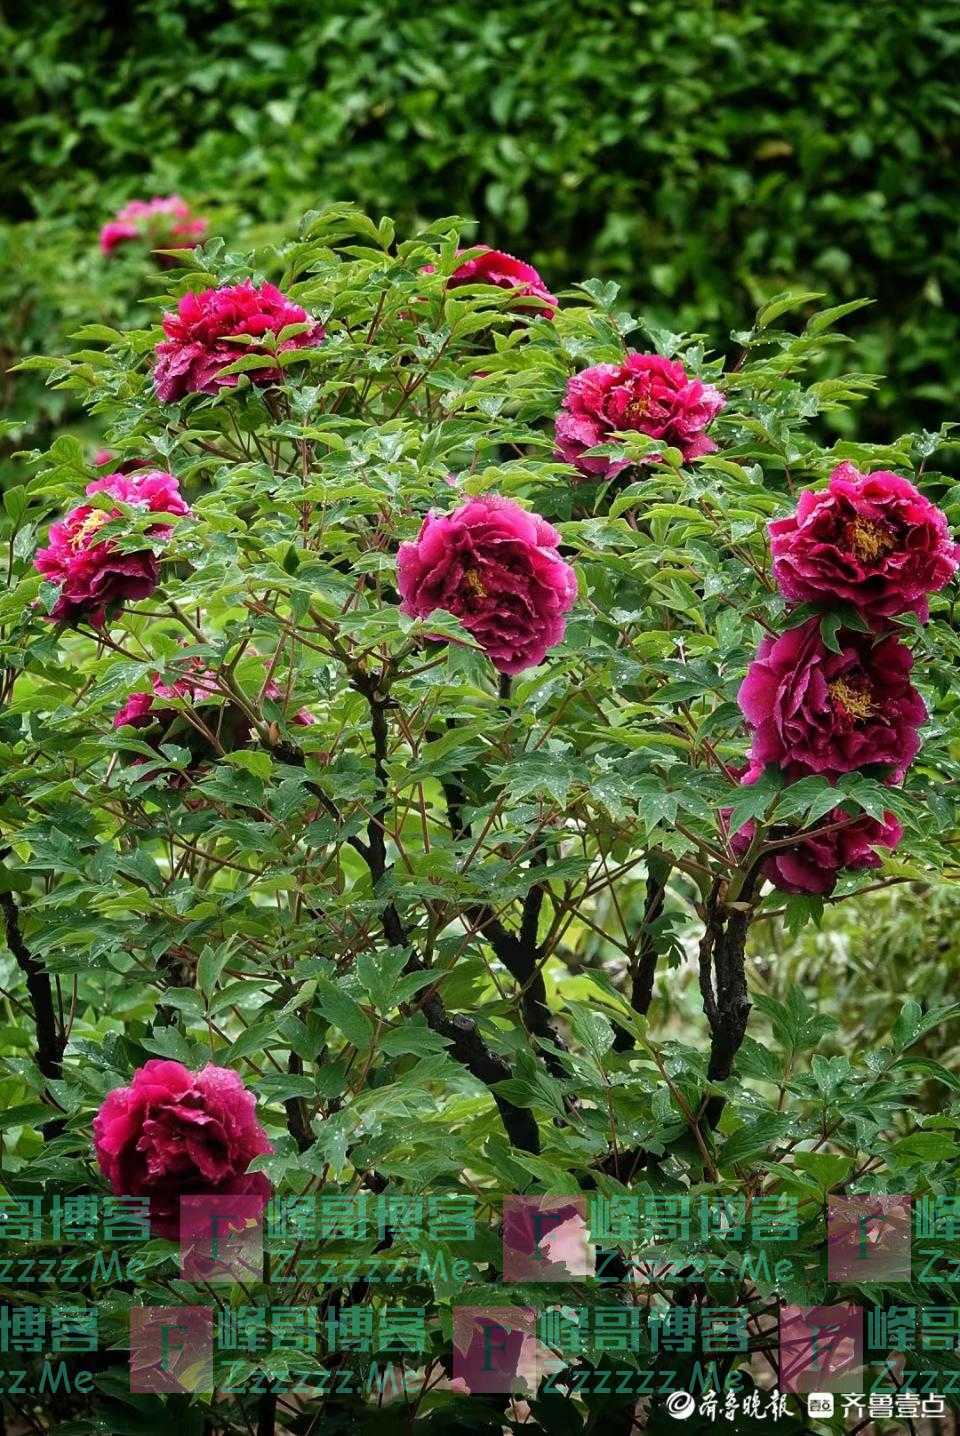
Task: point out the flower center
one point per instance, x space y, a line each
94 520
638 409
473 583
868 540
853 699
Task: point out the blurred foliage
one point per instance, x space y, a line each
703 155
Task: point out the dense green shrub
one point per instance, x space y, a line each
439 929
703 155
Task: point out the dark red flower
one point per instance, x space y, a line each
175 1133
870 540
814 711
815 861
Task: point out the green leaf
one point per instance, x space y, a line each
378 974
592 1029
412 1037
753 1138
256 1039
344 1013
753 800
828 317
925 1147
913 1023
783 303
210 964
252 761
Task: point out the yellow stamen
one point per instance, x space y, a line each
855 702
868 540
474 583
94 520
638 408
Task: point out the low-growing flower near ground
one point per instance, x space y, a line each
175 1133
816 711
92 574
496 568
165 223
648 393
870 540
815 861
214 328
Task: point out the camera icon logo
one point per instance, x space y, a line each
820 1403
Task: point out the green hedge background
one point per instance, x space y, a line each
704 155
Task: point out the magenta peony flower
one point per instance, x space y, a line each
813 711
175 1133
137 712
814 863
202 338
198 686
871 540
496 568
648 393
94 576
493 266
165 223
104 459
226 721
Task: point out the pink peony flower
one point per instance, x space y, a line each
493 266
104 459
648 393
175 1133
165 223
871 540
814 863
198 685
496 568
94 576
200 688
202 334
137 712
813 711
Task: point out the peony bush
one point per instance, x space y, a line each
419 748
